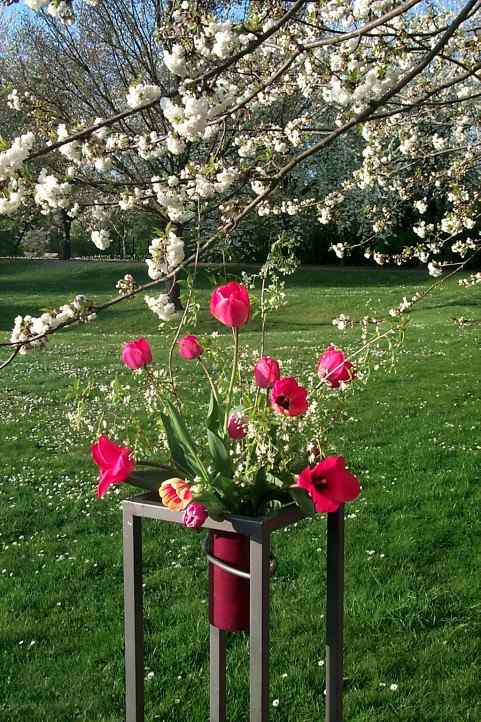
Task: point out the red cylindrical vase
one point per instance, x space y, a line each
229 593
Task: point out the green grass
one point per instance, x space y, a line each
413 598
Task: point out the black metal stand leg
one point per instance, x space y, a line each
134 618
259 628
334 615
217 675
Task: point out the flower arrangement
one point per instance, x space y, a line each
259 446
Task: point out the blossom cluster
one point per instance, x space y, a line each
369 134
167 253
32 331
474 279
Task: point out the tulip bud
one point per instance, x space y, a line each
195 515
190 348
334 368
137 354
237 425
230 304
266 372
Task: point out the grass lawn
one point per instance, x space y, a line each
413 592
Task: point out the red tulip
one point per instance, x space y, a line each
237 426
288 398
230 304
329 484
266 372
137 354
115 463
190 348
334 368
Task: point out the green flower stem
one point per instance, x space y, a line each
175 339
235 363
156 383
209 379
263 316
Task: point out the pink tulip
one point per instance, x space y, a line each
175 494
195 515
190 348
288 398
334 368
237 425
266 372
137 354
230 304
329 484
115 463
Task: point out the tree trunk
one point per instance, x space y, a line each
19 238
172 288
66 244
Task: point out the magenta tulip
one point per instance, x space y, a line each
230 304
329 484
195 515
190 348
237 425
288 398
334 368
266 372
115 463
137 354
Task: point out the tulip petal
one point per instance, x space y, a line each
322 503
343 486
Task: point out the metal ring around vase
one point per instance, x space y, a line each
234 570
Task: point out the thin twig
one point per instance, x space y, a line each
10 358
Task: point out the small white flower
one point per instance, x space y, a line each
435 269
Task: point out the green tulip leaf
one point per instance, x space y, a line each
181 444
180 429
150 479
175 447
214 416
302 499
220 456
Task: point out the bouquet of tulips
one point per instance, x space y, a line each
259 445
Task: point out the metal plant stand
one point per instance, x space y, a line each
259 530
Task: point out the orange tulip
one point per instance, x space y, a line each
175 494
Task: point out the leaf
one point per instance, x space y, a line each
220 456
180 430
275 481
217 514
181 444
303 500
214 416
150 479
176 449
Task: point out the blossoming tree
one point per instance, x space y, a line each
207 127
